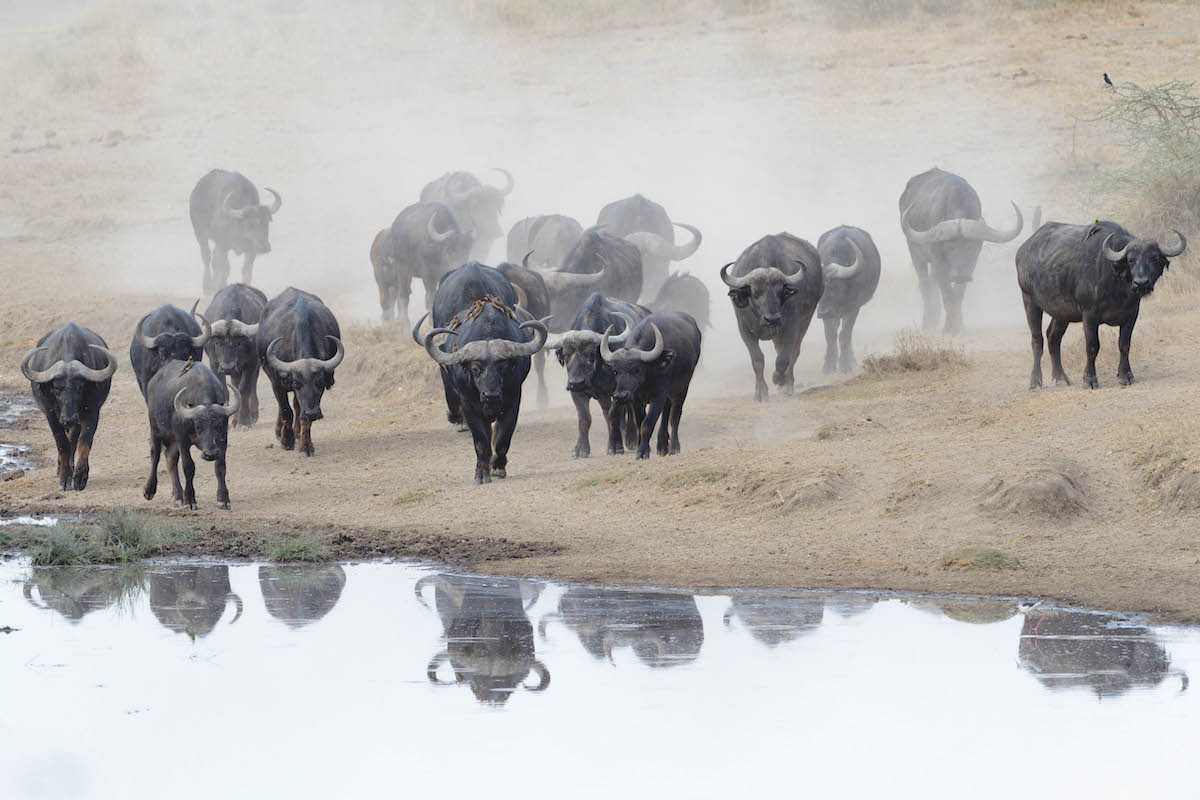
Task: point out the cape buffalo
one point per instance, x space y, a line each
655 367
191 599
298 594
1095 274
775 619
225 209
851 265
598 262
942 219
645 224
299 345
425 243
75 592
546 239
682 291
488 359
775 286
534 297
70 373
166 333
189 407
589 377
489 638
476 206
235 312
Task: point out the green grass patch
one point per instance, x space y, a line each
692 477
979 556
65 546
304 548
119 536
609 477
411 496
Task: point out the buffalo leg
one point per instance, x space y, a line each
454 412
616 417
302 426
220 269
831 352
63 443
248 414
676 412
539 364
1124 373
173 471
952 297
481 433
504 433
1054 334
664 438
151 487
222 489
787 350
189 475
1091 335
757 362
929 294
647 427
83 449
403 292
583 448
387 302
72 444
1033 315
283 423
247 270
206 261
846 361
631 418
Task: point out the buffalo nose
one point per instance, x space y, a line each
772 319
312 416
621 397
209 456
574 386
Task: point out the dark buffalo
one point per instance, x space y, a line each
189 407
684 292
225 210
489 638
299 345
775 285
589 377
192 599
297 594
546 239
599 262
775 619
70 373
645 224
475 205
488 359
1100 652
75 592
851 264
167 333
942 220
654 367
235 313
1095 274
534 297
663 629
425 243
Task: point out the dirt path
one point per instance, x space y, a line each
748 126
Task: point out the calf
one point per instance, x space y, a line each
189 407
236 311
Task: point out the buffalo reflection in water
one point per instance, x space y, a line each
1099 651
775 619
74 592
663 629
302 593
489 638
192 599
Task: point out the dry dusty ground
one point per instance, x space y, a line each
740 126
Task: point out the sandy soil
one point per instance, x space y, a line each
741 127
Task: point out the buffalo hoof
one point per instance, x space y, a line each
642 454
847 367
1035 381
1091 382
778 379
1061 379
223 505
482 477
64 484
828 368
760 394
455 419
1125 378
307 450
616 451
583 451
80 482
149 490
192 505
499 472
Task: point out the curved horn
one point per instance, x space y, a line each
235 213
444 359
239 328
623 335
504 348
730 281
278 201
232 404
1109 253
42 376
979 229
522 298
237 606
148 342
509 183
651 244
274 361
655 351
1175 250
332 362
419 587
432 232
836 270
183 411
220 328
198 341
942 232
564 280
431 670
543 676
97 375
797 277
417 327
681 251
525 260
605 353
545 621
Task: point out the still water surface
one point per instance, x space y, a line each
198 680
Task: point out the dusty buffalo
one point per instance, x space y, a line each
589 377
70 372
235 312
487 357
189 407
775 286
547 239
851 265
475 205
166 333
534 297
426 243
299 345
191 599
655 368
645 224
225 210
598 262
942 220
1095 274
684 292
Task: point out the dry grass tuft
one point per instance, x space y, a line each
609 477
1054 491
915 352
692 477
979 556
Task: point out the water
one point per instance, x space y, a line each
336 681
13 457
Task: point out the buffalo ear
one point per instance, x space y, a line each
665 359
558 353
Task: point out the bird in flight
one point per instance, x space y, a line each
1108 80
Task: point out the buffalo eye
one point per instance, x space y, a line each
788 291
740 297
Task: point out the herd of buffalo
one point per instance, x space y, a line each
603 299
